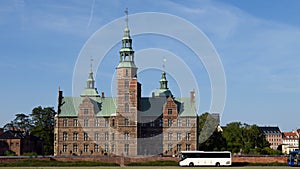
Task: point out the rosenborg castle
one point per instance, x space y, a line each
128 125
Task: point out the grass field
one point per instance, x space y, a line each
153 167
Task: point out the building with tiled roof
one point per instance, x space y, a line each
128 125
20 142
273 135
290 142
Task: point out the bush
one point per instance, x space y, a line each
30 154
154 163
41 163
9 153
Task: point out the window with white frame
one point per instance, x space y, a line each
65 136
126 135
85 136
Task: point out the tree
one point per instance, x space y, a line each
244 138
43 120
209 137
21 122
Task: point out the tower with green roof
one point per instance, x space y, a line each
90 90
127 95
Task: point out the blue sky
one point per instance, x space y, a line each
257 41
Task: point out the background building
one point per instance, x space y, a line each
273 136
290 142
129 124
19 142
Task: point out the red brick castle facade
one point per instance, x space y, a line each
128 125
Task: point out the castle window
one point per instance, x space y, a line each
178 123
86 148
106 136
106 122
113 148
169 111
75 148
96 123
178 147
126 122
169 147
126 136
86 122
65 148
169 136
75 123
113 123
169 122
126 107
106 147
126 85
152 124
188 147
112 136
178 136
188 136
188 122
85 136
75 136
126 149
126 72
96 147
126 96
65 136
65 123
86 111
96 137
160 122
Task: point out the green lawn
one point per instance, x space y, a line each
255 167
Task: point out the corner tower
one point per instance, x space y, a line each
90 90
128 90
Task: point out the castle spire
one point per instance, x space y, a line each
163 81
90 89
90 83
126 52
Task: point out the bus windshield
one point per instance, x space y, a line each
294 158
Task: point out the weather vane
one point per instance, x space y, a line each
91 64
164 62
126 12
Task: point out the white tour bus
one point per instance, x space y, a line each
203 158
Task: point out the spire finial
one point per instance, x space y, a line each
91 64
164 63
126 12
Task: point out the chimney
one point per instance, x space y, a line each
192 95
102 95
60 97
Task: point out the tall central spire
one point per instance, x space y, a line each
126 52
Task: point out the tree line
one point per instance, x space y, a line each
39 123
237 137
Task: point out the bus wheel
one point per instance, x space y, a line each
217 164
191 164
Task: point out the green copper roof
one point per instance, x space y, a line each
102 106
153 106
187 107
127 64
90 92
162 92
